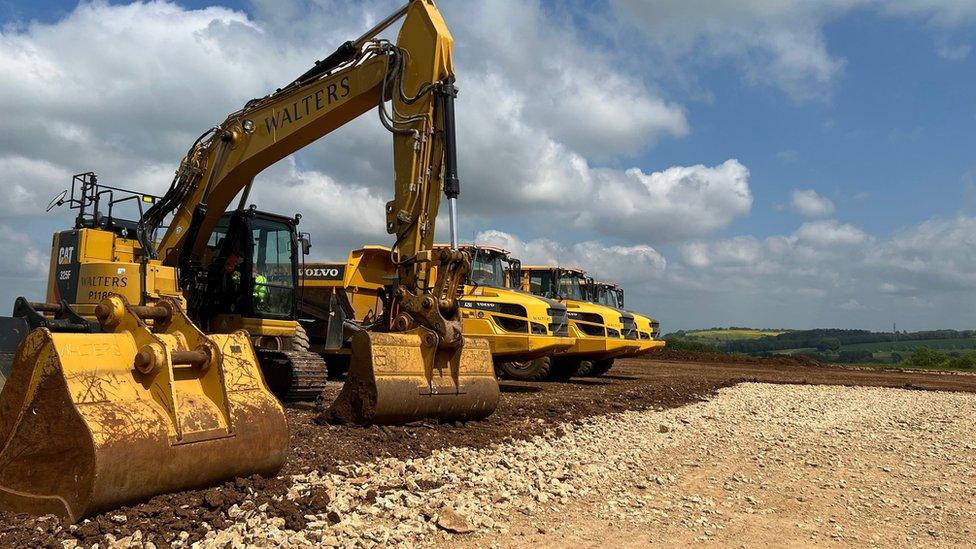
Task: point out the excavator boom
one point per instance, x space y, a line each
126 397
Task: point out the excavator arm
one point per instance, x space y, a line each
416 77
423 353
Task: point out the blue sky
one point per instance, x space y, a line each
790 164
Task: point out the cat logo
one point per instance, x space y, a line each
65 255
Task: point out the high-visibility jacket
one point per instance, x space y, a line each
260 288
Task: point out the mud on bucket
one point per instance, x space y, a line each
82 431
394 379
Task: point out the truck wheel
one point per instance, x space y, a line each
601 367
585 368
564 369
527 370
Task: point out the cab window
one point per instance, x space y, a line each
274 283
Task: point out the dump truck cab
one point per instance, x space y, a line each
611 295
519 326
601 333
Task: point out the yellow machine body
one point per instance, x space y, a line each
512 335
88 265
611 295
517 325
89 422
646 336
597 330
394 377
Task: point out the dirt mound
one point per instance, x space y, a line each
725 358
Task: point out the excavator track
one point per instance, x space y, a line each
293 376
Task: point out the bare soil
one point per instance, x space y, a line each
526 410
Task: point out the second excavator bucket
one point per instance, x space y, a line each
397 378
92 421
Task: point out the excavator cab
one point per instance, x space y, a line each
251 266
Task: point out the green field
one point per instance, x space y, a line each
941 344
730 335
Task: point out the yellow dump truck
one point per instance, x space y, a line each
612 295
338 298
601 333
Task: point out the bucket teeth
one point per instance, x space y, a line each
394 378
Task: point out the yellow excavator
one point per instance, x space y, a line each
601 333
611 295
114 393
519 326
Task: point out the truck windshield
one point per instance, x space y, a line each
569 286
487 270
542 283
606 296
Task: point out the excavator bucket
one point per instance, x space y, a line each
397 378
12 332
92 421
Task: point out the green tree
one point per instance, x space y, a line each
923 357
829 344
965 361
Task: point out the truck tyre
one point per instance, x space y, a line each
585 368
564 369
527 370
601 367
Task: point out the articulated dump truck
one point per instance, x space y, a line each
340 298
612 295
601 333
140 373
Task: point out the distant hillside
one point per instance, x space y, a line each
719 336
831 345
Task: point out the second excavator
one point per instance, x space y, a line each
115 393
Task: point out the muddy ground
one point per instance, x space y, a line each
526 410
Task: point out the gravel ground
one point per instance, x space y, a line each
551 468
757 464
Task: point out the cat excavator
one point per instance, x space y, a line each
113 393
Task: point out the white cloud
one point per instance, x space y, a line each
772 43
23 258
336 216
741 250
809 203
625 264
954 52
851 305
830 233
